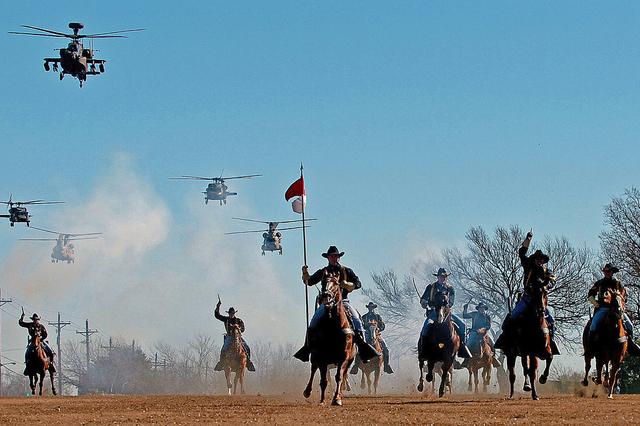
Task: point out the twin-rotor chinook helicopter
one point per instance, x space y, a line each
19 213
75 59
217 190
64 250
272 238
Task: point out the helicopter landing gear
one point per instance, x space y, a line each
46 66
206 201
81 81
61 76
101 67
220 202
28 224
225 201
263 252
12 224
280 252
53 261
55 67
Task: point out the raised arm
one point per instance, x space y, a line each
216 313
522 252
465 313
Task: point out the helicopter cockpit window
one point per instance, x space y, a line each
72 47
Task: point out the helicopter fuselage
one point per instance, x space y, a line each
76 61
63 252
217 191
272 241
19 214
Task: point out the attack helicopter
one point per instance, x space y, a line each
64 251
75 59
217 190
18 213
272 238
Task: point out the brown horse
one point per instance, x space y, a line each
372 336
608 344
530 340
481 359
331 342
441 343
234 360
37 365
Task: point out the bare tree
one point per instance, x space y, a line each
620 243
489 270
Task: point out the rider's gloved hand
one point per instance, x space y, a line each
305 274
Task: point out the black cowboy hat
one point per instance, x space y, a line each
442 272
481 305
539 254
333 250
35 317
371 305
610 267
231 310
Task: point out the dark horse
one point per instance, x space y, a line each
37 365
530 340
440 344
608 344
331 342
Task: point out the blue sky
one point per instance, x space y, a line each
415 120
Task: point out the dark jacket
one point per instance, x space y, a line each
478 320
320 276
535 276
373 316
229 321
32 328
445 288
604 284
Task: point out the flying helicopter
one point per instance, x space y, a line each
18 213
217 190
272 238
75 59
64 250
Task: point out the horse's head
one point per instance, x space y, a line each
441 301
371 331
616 301
234 330
331 294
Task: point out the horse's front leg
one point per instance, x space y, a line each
53 386
32 385
598 379
533 368
340 373
511 366
41 383
476 379
545 373
430 365
525 371
376 380
587 369
362 379
446 366
235 382
323 381
420 382
227 375
307 390
486 377
613 378
470 384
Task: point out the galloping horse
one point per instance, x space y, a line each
441 343
38 363
374 366
531 340
608 344
481 358
235 360
331 341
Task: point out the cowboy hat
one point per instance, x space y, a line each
333 250
610 267
35 317
371 305
442 272
231 310
539 254
481 305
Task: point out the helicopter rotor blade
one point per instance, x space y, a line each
245 232
116 32
38 35
238 177
38 239
40 202
250 220
46 230
83 238
84 235
46 30
293 227
97 36
193 178
294 221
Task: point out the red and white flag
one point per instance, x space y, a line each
297 190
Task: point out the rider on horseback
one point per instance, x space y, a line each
229 321
349 282
372 315
537 278
480 326
602 305
34 328
428 302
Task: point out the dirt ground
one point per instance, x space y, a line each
417 409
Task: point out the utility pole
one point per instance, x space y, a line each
59 326
2 303
110 347
87 334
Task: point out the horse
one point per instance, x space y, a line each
608 344
481 359
37 365
331 341
530 341
441 343
372 336
234 360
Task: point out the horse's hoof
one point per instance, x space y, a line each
306 393
429 377
420 387
535 397
54 391
584 382
610 397
337 402
526 387
543 379
440 394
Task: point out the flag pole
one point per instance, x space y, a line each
304 248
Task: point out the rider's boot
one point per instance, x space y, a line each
463 351
354 368
552 343
632 347
304 352
385 358
503 338
250 365
457 365
52 364
365 350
